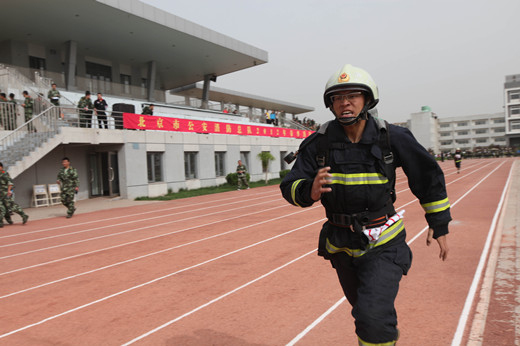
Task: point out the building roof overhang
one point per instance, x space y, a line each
129 32
235 97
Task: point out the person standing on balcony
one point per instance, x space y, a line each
85 113
7 202
100 106
69 182
28 106
148 110
54 95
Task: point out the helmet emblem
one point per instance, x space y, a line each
343 78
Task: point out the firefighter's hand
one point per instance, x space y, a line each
322 178
443 244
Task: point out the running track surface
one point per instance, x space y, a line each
237 268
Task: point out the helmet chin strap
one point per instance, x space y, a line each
363 115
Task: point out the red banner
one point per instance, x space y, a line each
155 122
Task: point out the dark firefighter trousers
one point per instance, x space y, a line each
370 283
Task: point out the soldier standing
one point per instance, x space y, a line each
69 181
54 95
28 107
85 114
6 194
241 174
148 110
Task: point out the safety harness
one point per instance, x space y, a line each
359 221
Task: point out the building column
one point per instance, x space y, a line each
71 57
152 73
222 103
250 113
205 89
187 101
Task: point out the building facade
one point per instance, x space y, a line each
512 109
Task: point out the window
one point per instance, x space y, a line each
101 72
220 164
515 125
445 125
126 80
479 131
445 134
499 129
446 142
462 141
283 164
462 133
144 86
481 140
499 121
480 122
37 63
244 156
154 163
514 110
513 95
500 139
465 123
190 165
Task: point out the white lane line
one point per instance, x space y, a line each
218 298
457 338
136 241
330 310
158 252
316 322
128 222
69 226
127 231
157 279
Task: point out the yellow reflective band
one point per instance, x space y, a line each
358 179
387 235
293 191
435 207
364 343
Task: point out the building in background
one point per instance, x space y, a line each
512 109
424 126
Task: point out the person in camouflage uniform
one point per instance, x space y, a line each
7 201
54 95
28 106
148 110
69 181
241 174
85 114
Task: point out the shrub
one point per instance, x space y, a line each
284 172
232 178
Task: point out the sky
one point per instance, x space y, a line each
450 55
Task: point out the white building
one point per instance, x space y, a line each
464 132
512 109
134 54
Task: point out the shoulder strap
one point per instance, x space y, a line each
388 156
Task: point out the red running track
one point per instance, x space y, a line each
237 268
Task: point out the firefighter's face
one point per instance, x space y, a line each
347 104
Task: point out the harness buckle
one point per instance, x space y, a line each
388 159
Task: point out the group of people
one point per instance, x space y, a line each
87 108
308 123
8 110
271 117
67 178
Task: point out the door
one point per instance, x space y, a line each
104 174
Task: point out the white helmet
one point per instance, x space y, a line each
356 79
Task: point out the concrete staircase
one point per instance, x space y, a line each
24 146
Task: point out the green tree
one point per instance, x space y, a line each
265 157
